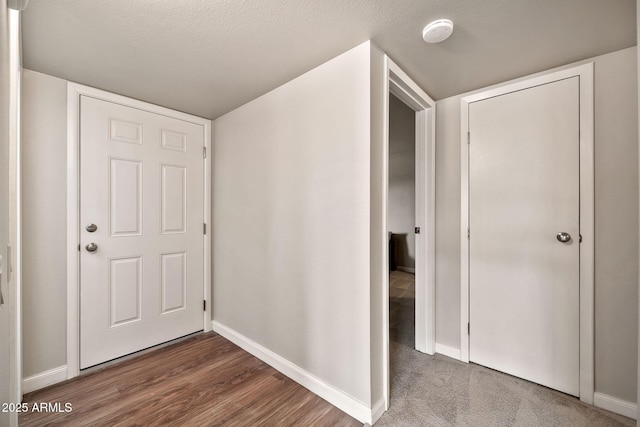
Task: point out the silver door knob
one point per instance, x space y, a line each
91 247
563 237
91 228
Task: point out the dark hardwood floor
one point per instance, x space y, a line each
204 380
402 308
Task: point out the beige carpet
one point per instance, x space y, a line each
440 391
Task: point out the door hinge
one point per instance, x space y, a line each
468 328
204 152
78 247
468 233
417 230
204 305
204 228
468 137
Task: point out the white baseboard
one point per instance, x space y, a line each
451 352
377 411
44 379
616 405
406 269
336 397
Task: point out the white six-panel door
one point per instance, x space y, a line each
524 190
141 185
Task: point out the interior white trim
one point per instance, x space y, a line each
585 73
445 350
410 93
403 87
13 267
386 384
331 394
44 379
613 404
377 411
74 91
207 238
73 238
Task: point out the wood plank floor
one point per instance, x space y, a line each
402 311
204 380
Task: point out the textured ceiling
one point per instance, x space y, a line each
207 57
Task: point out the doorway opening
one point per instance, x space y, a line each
401 222
411 239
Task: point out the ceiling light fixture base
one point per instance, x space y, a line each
17 4
437 31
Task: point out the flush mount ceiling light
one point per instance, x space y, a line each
437 31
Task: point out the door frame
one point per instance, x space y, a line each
74 91
404 88
13 262
586 304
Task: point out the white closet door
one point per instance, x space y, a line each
524 191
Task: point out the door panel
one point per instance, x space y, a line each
141 184
174 281
174 199
523 190
125 197
125 283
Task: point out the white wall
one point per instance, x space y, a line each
448 222
616 219
616 216
291 222
402 193
44 187
5 377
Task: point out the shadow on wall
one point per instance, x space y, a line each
399 252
